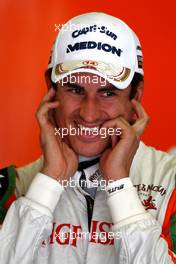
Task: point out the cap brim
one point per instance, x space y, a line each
121 80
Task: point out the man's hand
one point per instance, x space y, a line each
60 162
115 162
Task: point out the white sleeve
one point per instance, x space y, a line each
29 222
139 234
26 174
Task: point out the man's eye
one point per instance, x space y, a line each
75 90
108 93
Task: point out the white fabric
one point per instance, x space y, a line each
124 203
138 241
118 185
45 190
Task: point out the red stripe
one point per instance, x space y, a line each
171 209
10 200
173 257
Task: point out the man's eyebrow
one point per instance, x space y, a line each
72 85
109 88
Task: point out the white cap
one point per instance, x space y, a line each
100 44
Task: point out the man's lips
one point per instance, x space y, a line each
88 132
88 127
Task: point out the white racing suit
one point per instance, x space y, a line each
133 221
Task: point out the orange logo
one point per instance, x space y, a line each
90 62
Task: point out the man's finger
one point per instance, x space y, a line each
42 113
49 96
120 123
139 110
142 120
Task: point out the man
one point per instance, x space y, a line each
90 122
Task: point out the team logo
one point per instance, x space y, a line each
149 203
90 62
95 176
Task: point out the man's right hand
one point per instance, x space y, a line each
60 161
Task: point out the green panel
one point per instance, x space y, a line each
9 172
173 232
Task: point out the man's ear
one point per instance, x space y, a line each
48 78
139 91
137 97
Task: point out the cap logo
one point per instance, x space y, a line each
93 45
94 28
140 61
90 62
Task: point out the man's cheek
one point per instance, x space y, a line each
132 117
127 112
59 118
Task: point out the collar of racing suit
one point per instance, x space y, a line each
89 172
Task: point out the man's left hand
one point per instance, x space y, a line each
116 161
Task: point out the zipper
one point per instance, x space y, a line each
90 205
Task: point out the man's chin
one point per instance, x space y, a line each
88 153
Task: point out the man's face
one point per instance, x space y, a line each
89 104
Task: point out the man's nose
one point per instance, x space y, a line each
90 110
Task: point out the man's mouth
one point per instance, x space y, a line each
89 132
87 129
